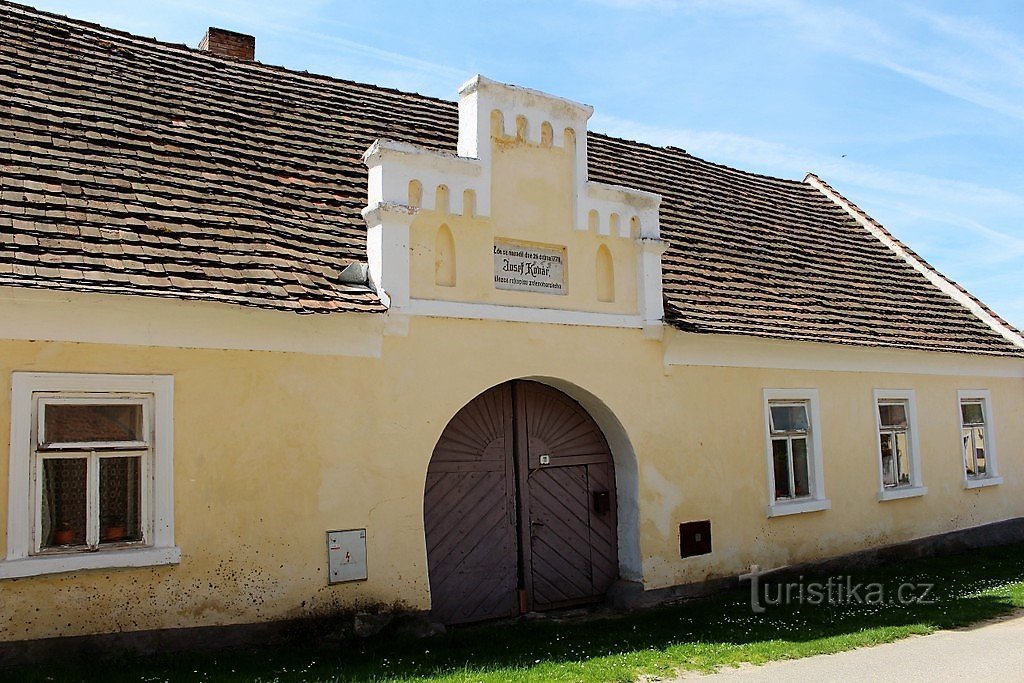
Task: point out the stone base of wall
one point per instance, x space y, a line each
338 627
624 595
630 595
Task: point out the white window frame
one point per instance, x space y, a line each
992 476
22 558
65 398
816 501
916 487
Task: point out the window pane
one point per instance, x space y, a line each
972 413
801 473
789 418
974 451
887 443
902 459
780 459
968 442
78 422
979 449
893 415
120 499
63 505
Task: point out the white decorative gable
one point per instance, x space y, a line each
509 227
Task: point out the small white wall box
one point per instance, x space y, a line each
346 555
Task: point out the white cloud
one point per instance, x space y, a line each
378 54
953 224
638 4
1004 47
775 158
961 57
288 18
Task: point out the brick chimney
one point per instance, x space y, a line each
229 44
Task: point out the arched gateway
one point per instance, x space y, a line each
519 506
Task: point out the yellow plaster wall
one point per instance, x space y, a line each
274 449
532 190
719 452
271 450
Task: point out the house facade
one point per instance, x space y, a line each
275 345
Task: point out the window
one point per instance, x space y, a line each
977 445
91 457
899 459
972 420
893 428
90 473
793 445
790 432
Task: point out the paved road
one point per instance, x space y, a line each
990 652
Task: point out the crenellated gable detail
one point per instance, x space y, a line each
509 226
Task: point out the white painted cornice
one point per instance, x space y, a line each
523 314
35 314
620 193
527 97
418 156
738 351
389 211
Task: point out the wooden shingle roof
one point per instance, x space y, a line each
138 167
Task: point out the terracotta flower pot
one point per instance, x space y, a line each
64 536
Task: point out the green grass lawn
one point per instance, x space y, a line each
701 634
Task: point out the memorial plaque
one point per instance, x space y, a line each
529 268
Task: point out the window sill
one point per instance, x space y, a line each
39 565
983 482
798 507
901 492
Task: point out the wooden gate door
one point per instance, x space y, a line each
519 501
570 547
470 516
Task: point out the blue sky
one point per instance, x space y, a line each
915 111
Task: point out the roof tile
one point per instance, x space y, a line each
139 167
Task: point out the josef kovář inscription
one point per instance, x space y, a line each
529 268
